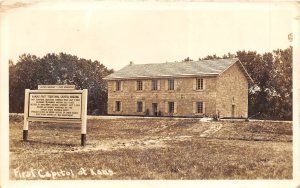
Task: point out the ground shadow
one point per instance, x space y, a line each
51 143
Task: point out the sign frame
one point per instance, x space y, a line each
83 111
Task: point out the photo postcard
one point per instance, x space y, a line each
149 94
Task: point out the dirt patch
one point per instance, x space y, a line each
143 144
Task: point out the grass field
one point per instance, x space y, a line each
129 148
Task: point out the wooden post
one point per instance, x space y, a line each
84 117
25 126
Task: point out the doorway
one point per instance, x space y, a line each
155 109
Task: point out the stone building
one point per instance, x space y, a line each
198 88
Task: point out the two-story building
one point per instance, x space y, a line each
197 88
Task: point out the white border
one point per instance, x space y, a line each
4 136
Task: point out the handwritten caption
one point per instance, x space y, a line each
53 174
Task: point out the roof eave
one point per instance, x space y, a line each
246 72
243 69
163 77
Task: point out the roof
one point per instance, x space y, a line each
212 67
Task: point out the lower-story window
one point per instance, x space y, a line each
139 107
171 107
118 106
199 107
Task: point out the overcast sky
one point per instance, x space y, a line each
115 34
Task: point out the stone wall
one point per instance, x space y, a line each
184 95
232 93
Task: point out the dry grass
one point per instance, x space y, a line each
155 149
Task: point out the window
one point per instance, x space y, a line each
199 85
139 107
171 107
118 106
139 85
170 84
154 84
199 107
118 85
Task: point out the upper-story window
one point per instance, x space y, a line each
139 85
118 86
171 84
154 84
199 84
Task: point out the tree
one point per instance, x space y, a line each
208 57
20 78
31 71
270 94
282 79
187 59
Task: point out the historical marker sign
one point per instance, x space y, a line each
62 104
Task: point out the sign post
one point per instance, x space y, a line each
56 103
84 121
25 127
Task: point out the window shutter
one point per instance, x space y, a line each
152 85
121 106
166 85
158 84
136 82
114 106
121 85
115 86
203 107
204 83
175 107
194 107
166 107
144 110
195 84
136 106
175 84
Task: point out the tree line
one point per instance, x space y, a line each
31 71
270 94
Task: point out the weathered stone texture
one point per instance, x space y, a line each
232 90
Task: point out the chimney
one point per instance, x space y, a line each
131 63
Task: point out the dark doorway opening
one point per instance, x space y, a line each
155 109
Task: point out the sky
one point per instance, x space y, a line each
117 33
